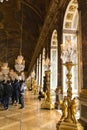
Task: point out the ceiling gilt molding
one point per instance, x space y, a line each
70 13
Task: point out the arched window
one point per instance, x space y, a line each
43 68
70 33
39 70
54 61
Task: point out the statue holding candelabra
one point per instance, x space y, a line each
68 119
47 102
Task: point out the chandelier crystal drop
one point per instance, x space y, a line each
47 63
5 69
20 63
68 52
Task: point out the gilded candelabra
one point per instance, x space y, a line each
47 102
68 119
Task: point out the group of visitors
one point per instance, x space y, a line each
12 92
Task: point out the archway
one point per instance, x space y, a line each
70 27
54 61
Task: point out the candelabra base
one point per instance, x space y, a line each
47 105
69 126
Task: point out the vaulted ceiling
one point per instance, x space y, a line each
30 14
23 21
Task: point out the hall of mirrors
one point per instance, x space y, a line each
50 53
48 61
56 76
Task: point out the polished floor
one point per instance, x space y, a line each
32 117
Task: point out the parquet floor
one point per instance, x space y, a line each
32 117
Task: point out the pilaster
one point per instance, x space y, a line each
83 95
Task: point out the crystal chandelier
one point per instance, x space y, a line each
47 63
5 69
68 52
3 1
20 62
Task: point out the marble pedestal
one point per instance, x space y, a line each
47 105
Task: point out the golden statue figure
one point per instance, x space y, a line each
69 114
73 110
64 109
45 96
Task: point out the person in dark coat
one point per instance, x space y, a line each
15 96
13 92
8 93
21 94
1 92
41 95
